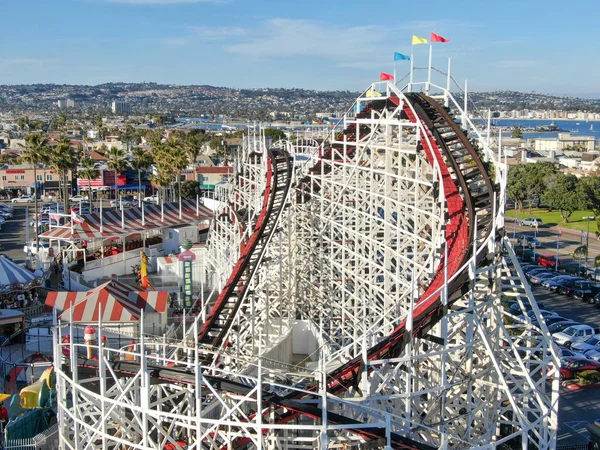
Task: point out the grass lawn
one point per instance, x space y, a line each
576 221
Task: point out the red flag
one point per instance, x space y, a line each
385 76
438 38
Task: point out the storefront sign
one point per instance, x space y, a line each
187 283
15 171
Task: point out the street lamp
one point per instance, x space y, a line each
587 239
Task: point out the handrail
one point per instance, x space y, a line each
220 318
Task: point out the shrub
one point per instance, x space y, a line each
588 377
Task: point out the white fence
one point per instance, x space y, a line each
46 440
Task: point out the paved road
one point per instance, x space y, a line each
568 242
12 234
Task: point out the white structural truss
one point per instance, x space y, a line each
358 283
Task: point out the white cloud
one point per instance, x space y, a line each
287 37
217 33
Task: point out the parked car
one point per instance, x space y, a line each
528 241
543 312
515 308
564 352
547 261
124 203
570 366
53 208
554 283
78 198
550 320
538 278
534 270
585 290
566 285
83 210
532 222
44 245
574 269
152 198
23 199
589 344
573 334
560 326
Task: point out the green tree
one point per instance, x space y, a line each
34 152
563 195
178 158
517 132
527 182
140 160
589 192
190 189
63 159
88 169
23 122
274 133
194 142
117 162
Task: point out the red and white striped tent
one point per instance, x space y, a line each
119 302
110 224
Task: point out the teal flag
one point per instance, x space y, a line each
401 57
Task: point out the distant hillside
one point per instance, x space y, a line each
509 100
187 101
256 104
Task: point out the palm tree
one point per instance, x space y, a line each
140 160
63 159
194 142
117 161
88 169
178 158
34 152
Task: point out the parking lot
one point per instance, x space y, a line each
576 408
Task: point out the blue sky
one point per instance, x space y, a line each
529 45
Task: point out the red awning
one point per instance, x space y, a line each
119 302
91 228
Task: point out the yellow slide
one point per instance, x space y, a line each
36 394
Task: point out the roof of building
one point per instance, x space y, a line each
95 226
214 169
118 302
96 156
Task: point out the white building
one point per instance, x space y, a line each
65 103
121 108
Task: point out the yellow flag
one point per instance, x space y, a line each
418 40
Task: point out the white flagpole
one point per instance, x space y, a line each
143 215
197 205
101 223
429 68
412 66
180 204
394 70
447 95
162 211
